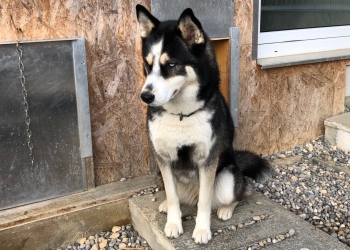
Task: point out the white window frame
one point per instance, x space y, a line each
299 41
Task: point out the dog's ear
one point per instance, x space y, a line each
190 28
146 20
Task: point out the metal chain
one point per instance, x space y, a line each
25 103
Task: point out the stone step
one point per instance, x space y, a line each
337 131
254 221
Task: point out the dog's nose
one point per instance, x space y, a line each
147 97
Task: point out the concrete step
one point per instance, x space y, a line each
337 131
274 221
347 104
60 222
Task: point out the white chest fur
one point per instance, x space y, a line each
168 134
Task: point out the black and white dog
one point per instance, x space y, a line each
190 126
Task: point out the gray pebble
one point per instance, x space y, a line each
334 235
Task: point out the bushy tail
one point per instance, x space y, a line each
253 166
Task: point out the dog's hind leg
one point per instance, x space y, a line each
225 211
224 197
163 207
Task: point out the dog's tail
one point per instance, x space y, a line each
253 166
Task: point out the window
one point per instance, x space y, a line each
292 27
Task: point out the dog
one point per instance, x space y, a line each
190 126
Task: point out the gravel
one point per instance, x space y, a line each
311 189
120 237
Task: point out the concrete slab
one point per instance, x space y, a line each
275 220
347 100
65 229
62 221
337 131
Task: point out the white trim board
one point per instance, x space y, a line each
301 47
306 58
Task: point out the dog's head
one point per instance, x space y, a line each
171 52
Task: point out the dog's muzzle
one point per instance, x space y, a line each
147 97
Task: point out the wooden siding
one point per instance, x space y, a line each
283 107
279 108
115 77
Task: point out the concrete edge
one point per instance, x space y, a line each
148 229
336 125
99 210
347 99
63 230
55 207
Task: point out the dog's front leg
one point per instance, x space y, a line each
202 233
173 227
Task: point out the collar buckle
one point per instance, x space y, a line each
181 116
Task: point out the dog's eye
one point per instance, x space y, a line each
171 65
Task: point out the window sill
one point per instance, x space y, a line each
284 61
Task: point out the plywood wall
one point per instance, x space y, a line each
283 107
279 108
115 77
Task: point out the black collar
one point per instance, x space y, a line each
188 115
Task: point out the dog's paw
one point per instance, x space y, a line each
173 230
224 213
201 236
163 207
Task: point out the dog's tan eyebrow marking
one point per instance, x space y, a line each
149 59
164 58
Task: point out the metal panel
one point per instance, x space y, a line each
82 97
54 82
215 16
234 75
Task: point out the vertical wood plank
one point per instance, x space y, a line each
222 52
90 172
